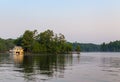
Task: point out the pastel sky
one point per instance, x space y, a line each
84 21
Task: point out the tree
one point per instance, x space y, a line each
103 47
27 40
111 47
45 39
68 47
77 48
18 41
36 47
44 42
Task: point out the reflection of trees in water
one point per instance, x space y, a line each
5 58
47 64
50 65
28 64
40 67
110 62
111 65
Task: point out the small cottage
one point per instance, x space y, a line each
17 50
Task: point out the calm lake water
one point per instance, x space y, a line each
84 67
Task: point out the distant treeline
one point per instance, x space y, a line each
111 47
104 47
7 44
50 42
87 47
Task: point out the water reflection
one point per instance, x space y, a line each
18 58
33 66
111 65
110 62
5 59
84 67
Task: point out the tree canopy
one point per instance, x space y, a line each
44 42
111 47
50 42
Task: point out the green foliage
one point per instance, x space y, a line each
111 47
10 43
49 42
18 41
45 39
27 40
44 42
36 48
86 47
77 48
103 47
6 45
3 47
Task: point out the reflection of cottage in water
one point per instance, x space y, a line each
17 50
18 58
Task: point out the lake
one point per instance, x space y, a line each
84 67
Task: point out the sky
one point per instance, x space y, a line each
84 21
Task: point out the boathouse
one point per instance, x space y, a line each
18 50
